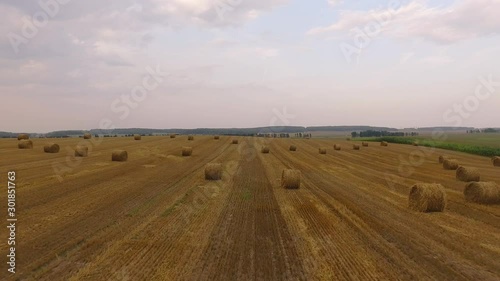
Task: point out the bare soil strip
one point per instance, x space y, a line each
251 240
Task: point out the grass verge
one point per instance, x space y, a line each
467 148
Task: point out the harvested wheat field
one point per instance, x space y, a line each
156 217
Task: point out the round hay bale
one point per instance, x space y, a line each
427 198
442 158
51 148
190 138
415 143
482 192
292 148
172 136
450 164
337 147
348 139
216 137
364 143
322 151
137 137
119 156
87 136
81 151
265 150
235 142
213 171
356 147
384 143
468 174
23 137
187 151
290 179
496 161
25 144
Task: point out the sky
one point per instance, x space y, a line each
73 64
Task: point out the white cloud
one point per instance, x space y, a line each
75 40
135 8
437 60
267 52
463 20
211 12
185 7
32 67
76 73
255 52
90 21
334 3
252 14
406 57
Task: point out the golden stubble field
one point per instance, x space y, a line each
155 217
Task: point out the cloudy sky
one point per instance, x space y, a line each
74 64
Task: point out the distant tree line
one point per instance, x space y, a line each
283 135
303 135
280 131
273 135
487 130
372 133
